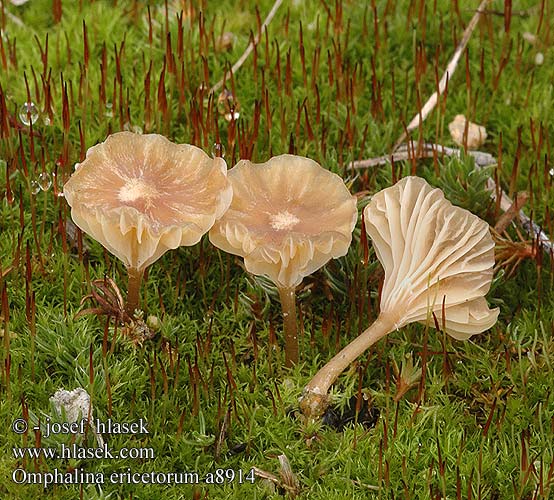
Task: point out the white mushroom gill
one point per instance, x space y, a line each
142 195
289 217
438 260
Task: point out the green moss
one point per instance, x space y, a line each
479 425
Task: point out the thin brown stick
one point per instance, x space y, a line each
421 115
530 226
509 215
250 46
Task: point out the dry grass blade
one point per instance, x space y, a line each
290 482
12 17
510 254
510 214
5 272
222 435
432 101
287 481
250 47
530 227
107 295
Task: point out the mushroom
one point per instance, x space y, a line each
438 261
289 217
141 195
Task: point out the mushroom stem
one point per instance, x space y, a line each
314 399
133 290
288 305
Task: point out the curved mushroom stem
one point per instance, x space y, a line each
288 305
133 290
314 399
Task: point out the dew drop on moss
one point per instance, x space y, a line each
45 181
28 113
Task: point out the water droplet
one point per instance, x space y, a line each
28 113
539 58
61 194
228 106
35 188
45 181
551 172
109 111
218 150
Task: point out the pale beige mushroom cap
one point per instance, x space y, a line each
289 217
436 257
141 195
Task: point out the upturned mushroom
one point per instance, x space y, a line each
289 217
438 260
141 195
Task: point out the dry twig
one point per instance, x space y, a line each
421 115
250 47
411 150
12 17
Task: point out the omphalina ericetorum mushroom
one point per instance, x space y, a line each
141 195
438 259
289 217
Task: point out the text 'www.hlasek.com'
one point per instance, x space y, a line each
74 432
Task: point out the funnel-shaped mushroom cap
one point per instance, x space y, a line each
141 195
437 257
289 216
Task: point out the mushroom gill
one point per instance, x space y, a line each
438 260
141 195
289 217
